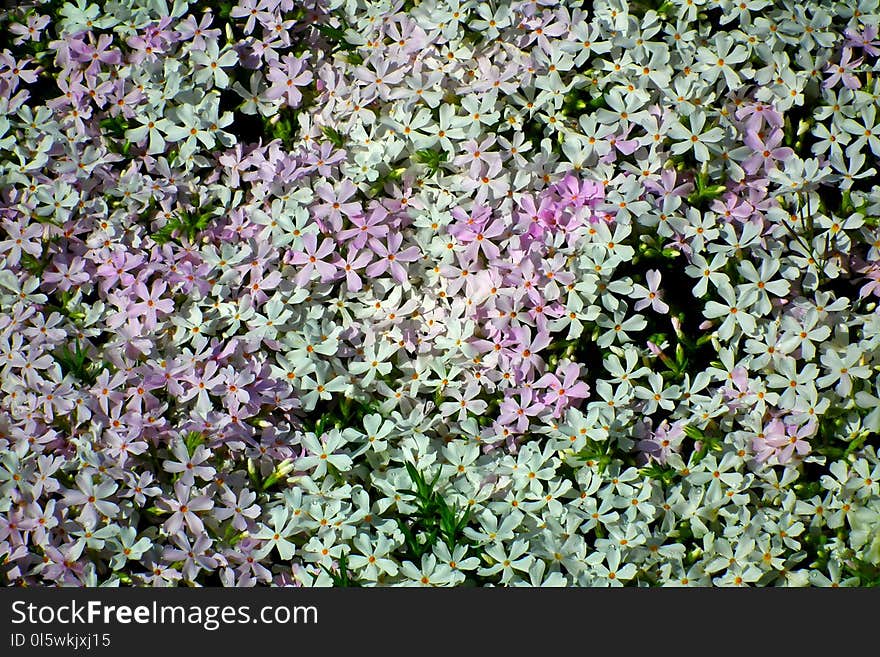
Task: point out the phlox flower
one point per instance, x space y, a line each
286 77
390 257
650 296
564 387
322 452
314 257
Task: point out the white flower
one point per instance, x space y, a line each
694 138
322 453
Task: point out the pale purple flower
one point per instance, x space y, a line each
189 466
314 257
151 302
240 509
516 410
866 39
91 498
349 266
843 71
391 256
195 556
286 79
183 509
651 295
564 387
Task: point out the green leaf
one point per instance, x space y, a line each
253 473
434 517
598 102
165 233
33 265
114 126
342 577
77 362
334 136
658 472
193 440
430 158
335 35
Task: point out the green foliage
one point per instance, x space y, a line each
192 440
659 473
597 453
430 158
339 413
704 190
32 265
283 125
77 363
336 36
378 187
706 443
114 126
433 520
341 577
334 136
579 101
186 224
224 10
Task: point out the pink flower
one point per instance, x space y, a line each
21 237
577 193
866 40
755 114
650 296
151 302
390 257
350 265
184 510
365 227
529 348
872 273
479 238
67 274
518 411
189 467
791 440
96 53
35 25
116 269
196 32
336 204
270 281
287 78
766 151
314 258
843 71
663 441
563 392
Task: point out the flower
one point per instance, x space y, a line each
321 453
91 498
650 296
254 263
276 536
183 509
694 138
286 78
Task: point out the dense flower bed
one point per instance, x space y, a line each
451 293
